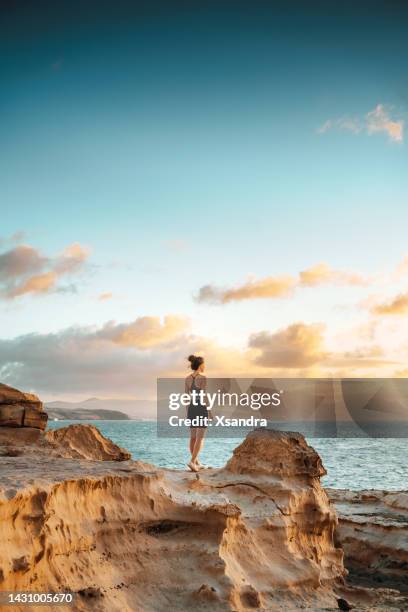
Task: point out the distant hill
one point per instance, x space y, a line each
106 409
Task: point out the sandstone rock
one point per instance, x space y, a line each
131 537
9 395
276 453
373 531
86 442
163 540
34 418
24 436
18 409
11 415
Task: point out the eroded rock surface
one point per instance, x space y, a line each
19 409
257 534
373 531
85 442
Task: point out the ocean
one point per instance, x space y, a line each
351 463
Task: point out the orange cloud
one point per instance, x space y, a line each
322 274
397 306
296 346
125 359
379 120
145 332
270 287
41 283
24 270
273 287
71 259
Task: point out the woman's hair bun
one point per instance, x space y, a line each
195 361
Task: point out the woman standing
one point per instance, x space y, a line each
196 381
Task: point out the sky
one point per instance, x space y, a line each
213 177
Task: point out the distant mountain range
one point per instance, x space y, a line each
104 409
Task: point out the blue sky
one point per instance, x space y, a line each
179 143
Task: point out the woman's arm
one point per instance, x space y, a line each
187 390
203 387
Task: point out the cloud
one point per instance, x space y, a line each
24 270
273 287
296 346
302 347
103 297
322 274
115 360
365 357
396 306
401 373
270 287
40 283
402 268
125 359
342 123
145 332
377 120
20 261
71 259
18 236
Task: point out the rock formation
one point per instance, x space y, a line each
18 409
373 531
85 442
257 534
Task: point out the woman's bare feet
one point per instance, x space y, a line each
200 465
193 466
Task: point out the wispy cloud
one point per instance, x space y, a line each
270 287
25 270
104 297
402 268
275 287
342 123
323 274
377 120
15 238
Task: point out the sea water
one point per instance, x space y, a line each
351 463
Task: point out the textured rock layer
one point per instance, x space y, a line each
257 534
18 409
373 531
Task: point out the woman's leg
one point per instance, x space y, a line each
193 436
199 441
193 440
